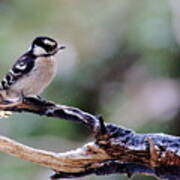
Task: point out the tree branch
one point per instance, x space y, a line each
50 109
115 149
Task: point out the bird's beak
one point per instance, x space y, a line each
61 47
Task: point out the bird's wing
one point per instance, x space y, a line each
22 67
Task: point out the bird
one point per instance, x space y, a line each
32 72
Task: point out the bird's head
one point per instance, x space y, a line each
45 46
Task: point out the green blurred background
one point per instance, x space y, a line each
122 61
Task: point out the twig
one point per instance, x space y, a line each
115 149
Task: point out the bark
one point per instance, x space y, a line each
114 149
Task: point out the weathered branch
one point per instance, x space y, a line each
45 108
115 149
71 162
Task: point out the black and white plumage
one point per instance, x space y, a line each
21 68
33 71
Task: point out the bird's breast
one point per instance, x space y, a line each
45 69
39 78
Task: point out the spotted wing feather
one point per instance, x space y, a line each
22 67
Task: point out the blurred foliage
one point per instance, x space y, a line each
121 61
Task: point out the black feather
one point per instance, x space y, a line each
22 67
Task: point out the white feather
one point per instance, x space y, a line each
21 66
51 43
39 51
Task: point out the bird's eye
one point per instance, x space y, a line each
50 48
